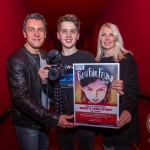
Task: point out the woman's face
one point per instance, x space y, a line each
107 39
96 91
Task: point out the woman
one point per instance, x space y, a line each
111 49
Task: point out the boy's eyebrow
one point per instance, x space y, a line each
70 29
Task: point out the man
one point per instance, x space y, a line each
31 116
68 28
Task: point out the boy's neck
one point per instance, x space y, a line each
67 52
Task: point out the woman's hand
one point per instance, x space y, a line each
124 118
118 85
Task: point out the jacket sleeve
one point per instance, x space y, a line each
132 90
21 98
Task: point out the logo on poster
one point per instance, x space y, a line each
148 123
79 67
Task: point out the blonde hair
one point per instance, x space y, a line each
119 50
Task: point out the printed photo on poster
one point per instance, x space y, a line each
95 102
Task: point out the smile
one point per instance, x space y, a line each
36 39
95 99
107 43
68 41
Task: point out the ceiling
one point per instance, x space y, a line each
86 10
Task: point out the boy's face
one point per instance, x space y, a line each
68 34
96 91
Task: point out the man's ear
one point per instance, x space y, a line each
78 36
24 34
45 35
58 36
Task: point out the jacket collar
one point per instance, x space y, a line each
42 53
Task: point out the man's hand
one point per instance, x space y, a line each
63 122
124 118
43 73
118 85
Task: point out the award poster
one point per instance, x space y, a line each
95 102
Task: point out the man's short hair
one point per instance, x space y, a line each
71 18
36 16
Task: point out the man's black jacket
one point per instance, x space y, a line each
25 88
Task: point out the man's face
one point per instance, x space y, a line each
96 91
35 34
68 34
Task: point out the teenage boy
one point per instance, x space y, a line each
68 28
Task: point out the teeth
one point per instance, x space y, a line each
68 41
107 43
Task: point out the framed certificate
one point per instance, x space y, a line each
95 102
